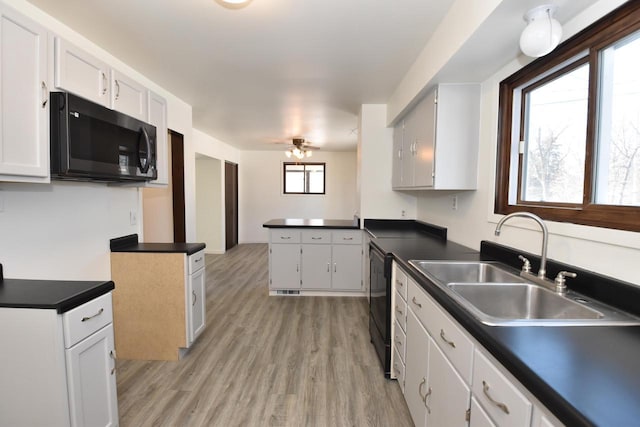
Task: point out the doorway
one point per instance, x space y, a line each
231 204
176 141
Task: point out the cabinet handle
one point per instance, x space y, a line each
347 238
117 89
398 310
396 369
297 268
104 83
335 267
485 390
423 382
328 267
84 319
45 93
316 238
285 238
413 300
399 283
195 298
112 354
425 400
198 260
398 342
444 338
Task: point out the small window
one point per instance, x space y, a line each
304 178
569 129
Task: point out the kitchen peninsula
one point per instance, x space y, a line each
315 257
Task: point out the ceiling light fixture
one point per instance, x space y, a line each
233 4
542 33
299 153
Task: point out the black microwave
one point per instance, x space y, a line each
92 143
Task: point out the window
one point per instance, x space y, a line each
304 178
569 129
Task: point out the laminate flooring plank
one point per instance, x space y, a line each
265 361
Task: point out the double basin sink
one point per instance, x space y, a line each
498 297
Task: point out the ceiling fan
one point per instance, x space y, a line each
300 149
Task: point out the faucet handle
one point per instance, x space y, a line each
560 280
527 265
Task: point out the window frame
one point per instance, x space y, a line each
284 177
581 48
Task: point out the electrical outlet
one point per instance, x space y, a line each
454 203
133 217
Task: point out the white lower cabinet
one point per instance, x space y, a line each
196 299
315 260
450 379
60 370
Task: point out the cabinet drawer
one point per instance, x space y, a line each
84 320
283 235
400 281
400 312
498 396
423 307
316 236
347 237
196 262
398 369
399 341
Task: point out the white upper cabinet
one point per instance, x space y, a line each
128 96
158 117
80 73
24 95
440 141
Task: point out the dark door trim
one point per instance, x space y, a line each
230 204
177 180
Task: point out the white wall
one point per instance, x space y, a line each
611 252
157 210
210 204
261 198
62 230
375 148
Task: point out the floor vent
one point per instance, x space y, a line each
287 292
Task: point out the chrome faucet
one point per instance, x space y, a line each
545 237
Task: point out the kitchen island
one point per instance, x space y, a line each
315 257
581 375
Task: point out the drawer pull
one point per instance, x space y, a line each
502 406
285 237
413 300
198 260
444 338
425 400
423 382
316 238
398 342
347 238
399 283
396 369
104 83
399 311
328 267
195 297
84 319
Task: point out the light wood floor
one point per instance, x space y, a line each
265 361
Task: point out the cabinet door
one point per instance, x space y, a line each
449 396
158 118
24 124
128 96
197 308
91 380
284 266
408 149
479 417
416 369
80 73
396 164
316 267
425 132
347 267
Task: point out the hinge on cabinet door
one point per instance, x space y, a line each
467 415
270 251
300 250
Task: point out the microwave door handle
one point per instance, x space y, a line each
146 162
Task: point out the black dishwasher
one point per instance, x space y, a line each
380 305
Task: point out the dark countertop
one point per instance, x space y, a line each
586 376
312 223
61 295
130 244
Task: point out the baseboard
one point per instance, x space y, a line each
307 293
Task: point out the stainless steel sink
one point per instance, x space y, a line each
499 297
466 272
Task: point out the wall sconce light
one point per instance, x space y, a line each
542 33
233 4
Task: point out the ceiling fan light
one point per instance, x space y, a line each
308 153
288 153
542 33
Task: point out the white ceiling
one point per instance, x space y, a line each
270 71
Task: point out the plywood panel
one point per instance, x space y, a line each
149 305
